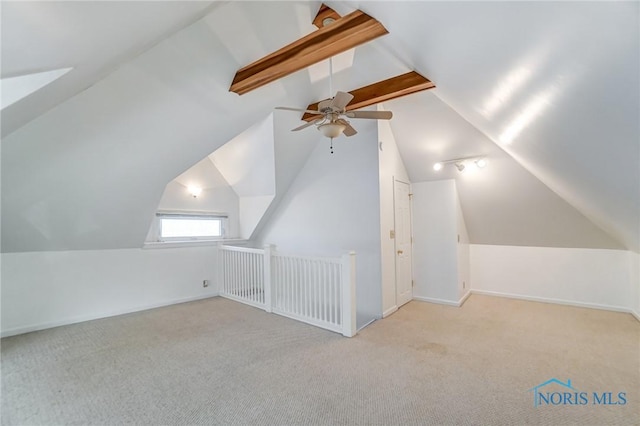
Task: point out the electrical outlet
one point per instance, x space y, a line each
205 283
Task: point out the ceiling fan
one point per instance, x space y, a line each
332 123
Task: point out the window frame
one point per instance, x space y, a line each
222 218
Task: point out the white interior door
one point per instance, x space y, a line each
402 205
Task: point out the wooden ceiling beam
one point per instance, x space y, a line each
381 91
345 33
325 12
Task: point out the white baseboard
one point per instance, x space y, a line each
551 300
455 303
464 298
438 301
75 320
366 325
389 311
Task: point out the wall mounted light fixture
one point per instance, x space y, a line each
462 163
194 190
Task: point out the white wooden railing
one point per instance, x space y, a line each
318 291
242 275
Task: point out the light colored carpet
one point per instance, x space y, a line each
219 362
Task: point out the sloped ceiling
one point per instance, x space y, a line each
247 161
503 203
555 84
92 37
557 81
90 172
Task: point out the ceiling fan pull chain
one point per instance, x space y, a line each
331 145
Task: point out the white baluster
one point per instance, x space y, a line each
289 284
300 286
314 290
308 295
325 297
336 279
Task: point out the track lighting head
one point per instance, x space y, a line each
462 163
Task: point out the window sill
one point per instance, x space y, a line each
194 243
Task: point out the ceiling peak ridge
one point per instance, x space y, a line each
344 33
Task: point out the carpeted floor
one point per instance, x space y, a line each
219 362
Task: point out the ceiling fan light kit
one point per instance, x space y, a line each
332 129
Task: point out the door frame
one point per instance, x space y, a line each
395 240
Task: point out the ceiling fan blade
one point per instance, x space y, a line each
300 110
305 125
375 115
348 129
341 100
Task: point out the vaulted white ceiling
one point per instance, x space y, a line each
94 38
549 91
555 84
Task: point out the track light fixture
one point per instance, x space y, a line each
462 163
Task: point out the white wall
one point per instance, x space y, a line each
391 168
634 266
435 249
586 277
251 211
332 207
247 161
47 289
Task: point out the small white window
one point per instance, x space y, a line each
190 227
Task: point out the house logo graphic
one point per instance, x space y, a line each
557 392
538 395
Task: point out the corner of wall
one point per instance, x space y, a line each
634 283
464 265
435 242
390 168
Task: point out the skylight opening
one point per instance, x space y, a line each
18 87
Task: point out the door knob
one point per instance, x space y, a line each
400 252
